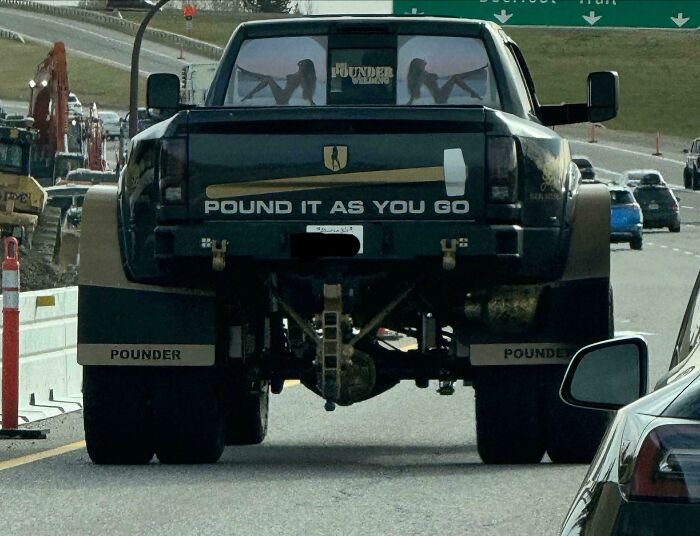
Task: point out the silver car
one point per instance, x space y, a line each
111 124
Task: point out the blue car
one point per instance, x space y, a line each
625 218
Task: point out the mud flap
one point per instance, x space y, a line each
126 323
581 311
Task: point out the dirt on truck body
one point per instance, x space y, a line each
346 175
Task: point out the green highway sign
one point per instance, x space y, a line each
676 14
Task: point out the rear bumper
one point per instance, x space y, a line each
652 220
535 250
625 233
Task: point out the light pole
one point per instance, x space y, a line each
134 95
32 85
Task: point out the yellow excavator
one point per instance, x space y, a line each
23 210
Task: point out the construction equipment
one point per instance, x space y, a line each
48 106
24 213
37 151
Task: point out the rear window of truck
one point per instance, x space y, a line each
419 70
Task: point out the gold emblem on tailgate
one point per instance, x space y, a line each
335 157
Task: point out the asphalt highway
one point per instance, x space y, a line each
402 463
96 43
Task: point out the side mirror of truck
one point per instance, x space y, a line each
163 91
685 151
603 96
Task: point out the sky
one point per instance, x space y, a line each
322 7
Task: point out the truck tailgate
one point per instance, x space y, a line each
337 164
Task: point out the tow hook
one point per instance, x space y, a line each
218 255
449 254
446 388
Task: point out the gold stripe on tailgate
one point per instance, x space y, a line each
316 182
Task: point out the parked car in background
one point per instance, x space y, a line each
75 107
585 167
645 478
625 218
634 177
659 207
691 173
111 124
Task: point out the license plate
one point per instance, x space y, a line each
357 230
653 206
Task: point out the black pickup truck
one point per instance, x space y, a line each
345 175
691 172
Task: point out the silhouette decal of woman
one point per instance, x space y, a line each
305 77
419 76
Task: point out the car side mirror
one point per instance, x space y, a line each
603 95
163 91
685 151
607 375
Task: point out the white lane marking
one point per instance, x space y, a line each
683 206
98 59
676 249
608 171
125 44
632 333
664 247
629 151
688 252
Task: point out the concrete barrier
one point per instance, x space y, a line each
122 25
12 35
50 379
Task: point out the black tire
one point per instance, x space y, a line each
573 434
116 415
509 423
675 229
187 416
636 243
687 178
247 415
696 181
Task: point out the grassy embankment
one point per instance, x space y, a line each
210 26
657 88
91 81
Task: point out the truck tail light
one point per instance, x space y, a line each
502 170
675 207
668 465
173 171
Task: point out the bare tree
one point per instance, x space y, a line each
268 6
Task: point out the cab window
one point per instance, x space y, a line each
408 70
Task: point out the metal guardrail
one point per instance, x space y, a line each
122 25
12 35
